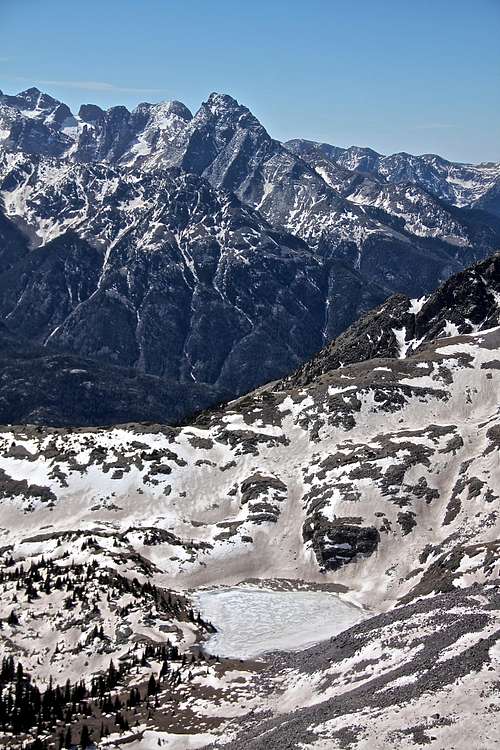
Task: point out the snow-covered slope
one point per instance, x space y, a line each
422 675
370 468
378 480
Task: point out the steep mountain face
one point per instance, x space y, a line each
35 123
120 136
460 184
13 245
164 260
490 200
228 146
41 385
415 208
466 303
464 185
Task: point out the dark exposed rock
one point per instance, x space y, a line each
263 495
407 521
91 113
337 542
257 484
10 488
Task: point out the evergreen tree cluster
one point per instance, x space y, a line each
79 582
25 709
28 710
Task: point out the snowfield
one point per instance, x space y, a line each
258 490
374 485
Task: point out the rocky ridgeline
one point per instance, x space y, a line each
473 185
466 303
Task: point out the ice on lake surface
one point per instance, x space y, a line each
252 621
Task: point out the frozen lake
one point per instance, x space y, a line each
252 621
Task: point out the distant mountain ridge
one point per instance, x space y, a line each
463 185
167 134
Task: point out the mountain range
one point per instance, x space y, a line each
199 250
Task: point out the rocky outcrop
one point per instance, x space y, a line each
339 542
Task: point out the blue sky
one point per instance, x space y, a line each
413 75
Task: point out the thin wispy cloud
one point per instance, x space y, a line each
102 86
434 126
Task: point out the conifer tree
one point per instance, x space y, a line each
85 737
